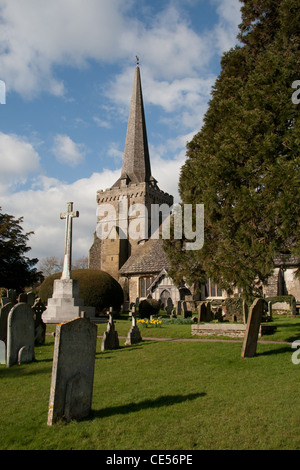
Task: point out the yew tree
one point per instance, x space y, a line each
244 164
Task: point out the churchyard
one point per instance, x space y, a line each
167 395
70 381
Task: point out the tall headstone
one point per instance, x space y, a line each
204 312
252 329
134 334
110 338
72 370
4 311
12 295
169 306
65 303
39 326
20 335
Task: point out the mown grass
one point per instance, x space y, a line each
164 395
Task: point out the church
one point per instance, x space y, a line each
138 262
135 261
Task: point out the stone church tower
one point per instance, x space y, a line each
134 190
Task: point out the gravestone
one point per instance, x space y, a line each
39 326
22 298
169 306
12 295
2 352
184 309
110 337
20 335
134 334
30 299
204 312
72 370
178 307
252 329
4 311
270 313
65 303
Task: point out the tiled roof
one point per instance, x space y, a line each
150 258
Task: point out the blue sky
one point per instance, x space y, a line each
68 66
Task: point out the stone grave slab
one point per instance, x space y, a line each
252 328
110 338
73 370
134 334
4 311
20 335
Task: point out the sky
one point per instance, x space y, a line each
68 68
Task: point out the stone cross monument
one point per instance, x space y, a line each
65 303
69 215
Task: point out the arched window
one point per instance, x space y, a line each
145 282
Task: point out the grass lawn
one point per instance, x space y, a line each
164 395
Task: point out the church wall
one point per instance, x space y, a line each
292 284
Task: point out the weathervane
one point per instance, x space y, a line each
137 60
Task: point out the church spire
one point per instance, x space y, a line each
136 161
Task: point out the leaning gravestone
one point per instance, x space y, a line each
20 335
110 337
134 334
73 370
252 329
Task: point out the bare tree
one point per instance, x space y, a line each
50 265
80 263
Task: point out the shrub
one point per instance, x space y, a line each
97 288
149 307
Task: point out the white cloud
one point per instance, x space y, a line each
67 151
18 160
37 35
41 208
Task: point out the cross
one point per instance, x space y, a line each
66 274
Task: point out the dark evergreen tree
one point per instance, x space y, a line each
244 164
16 270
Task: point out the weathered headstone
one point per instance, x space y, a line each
134 334
169 306
20 335
252 329
39 326
2 352
30 298
270 313
72 370
65 303
4 311
184 309
12 295
110 337
22 298
204 312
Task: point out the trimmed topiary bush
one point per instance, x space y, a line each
97 288
149 307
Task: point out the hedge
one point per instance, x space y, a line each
97 288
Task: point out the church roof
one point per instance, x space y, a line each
150 258
136 161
